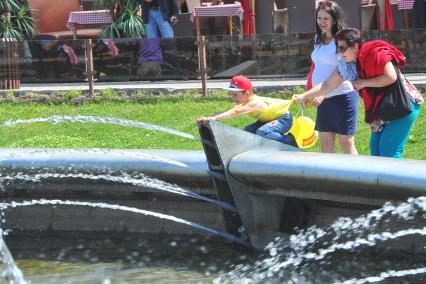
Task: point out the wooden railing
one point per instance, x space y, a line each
9 64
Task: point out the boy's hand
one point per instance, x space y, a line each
203 120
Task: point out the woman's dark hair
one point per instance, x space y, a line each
351 36
336 13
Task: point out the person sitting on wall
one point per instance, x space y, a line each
150 59
274 119
53 47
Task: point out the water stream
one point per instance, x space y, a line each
8 270
95 119
138 180
47 153
229 237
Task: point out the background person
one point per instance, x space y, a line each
273 116
376 71
183 6
337 110
159 16
373 61
150 58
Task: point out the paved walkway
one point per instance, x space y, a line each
170 86
160 85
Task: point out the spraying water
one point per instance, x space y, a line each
94 119
47 153
8 269
346 249
138 180
226 236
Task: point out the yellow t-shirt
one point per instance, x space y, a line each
277 108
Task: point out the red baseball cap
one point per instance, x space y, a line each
239 84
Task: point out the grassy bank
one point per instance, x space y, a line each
178 113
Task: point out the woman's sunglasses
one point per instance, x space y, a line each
342 48
325 3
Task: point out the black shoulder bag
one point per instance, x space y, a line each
396 100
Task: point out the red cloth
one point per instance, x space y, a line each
309 82
388 17
371 62
248 18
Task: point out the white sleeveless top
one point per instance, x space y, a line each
325 58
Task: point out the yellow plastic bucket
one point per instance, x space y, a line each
303 130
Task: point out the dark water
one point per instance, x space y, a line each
385 246
128 260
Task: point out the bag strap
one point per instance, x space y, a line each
301 109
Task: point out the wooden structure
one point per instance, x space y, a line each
299 15
227 11
9 64
263 12
52 16
87 18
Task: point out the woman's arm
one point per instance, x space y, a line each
389 77
321 89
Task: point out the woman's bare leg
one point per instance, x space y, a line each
347 143
328 142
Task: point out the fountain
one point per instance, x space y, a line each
127 214
8 269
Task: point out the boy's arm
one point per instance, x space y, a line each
231 113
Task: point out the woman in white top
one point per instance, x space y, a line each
337 111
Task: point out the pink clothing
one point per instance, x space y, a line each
113 49
71 54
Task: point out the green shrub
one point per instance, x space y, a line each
109 94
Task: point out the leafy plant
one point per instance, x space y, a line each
16 20
8 5
109 93
69 94
127 21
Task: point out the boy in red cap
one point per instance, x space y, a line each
274 119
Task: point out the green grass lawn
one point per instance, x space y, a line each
176 113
